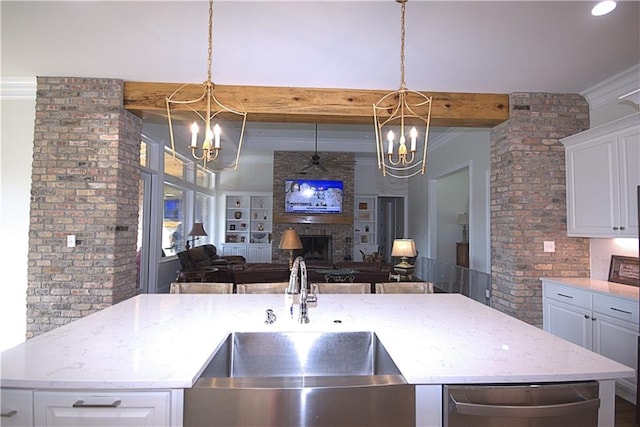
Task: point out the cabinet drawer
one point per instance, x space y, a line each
17 407
127 408
568 295
616 307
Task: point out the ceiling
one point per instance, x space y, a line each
451 46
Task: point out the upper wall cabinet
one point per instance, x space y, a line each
603 174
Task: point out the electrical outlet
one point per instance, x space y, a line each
549 246
71 241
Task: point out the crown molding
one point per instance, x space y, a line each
18 88
609 90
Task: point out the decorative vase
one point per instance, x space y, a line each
237 214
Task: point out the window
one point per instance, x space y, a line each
177 192
173 216
188 196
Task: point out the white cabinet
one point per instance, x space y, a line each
69 408
364 226
605 324
16 407
602 176
259 253
248 226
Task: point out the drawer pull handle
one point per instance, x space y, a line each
586 316
620 310
81 404
566 296
8 414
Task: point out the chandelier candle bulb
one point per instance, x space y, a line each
390 137
194 135
217 131
413 134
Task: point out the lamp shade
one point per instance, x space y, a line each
463 219
290 240
197 230
404 248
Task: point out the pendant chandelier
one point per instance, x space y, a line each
213 138
404 114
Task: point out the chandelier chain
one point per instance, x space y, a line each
210 51
402 82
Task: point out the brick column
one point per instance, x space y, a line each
528 201
84 182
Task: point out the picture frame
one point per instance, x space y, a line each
363 216
364 238
363 206
624 270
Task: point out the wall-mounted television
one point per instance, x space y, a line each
312 196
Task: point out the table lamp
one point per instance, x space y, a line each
291 241
463 220
196 231
405 249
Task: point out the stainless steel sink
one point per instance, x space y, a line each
301 378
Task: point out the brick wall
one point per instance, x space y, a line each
286 165
528 201
84 182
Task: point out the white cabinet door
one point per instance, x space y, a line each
617 340
259 253
629 152
615 334
592 188
135 409
16 408
602 176
569 322
234 250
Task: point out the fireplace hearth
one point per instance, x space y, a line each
316 247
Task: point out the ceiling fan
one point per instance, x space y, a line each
315 161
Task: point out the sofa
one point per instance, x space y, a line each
203 264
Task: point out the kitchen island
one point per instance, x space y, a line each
161 343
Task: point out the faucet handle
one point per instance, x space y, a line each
271 317
313 295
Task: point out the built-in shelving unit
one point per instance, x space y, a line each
249 226
364 226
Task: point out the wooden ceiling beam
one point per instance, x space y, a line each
318 105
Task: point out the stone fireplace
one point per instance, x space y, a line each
336 229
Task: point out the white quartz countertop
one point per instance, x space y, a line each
165 341
599 286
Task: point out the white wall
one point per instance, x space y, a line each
453 199
465 148
16 150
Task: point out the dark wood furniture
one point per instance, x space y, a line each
462 254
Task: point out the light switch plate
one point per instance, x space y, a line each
71 241
549 246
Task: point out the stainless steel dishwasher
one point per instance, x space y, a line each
531 405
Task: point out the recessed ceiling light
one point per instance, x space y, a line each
603 7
